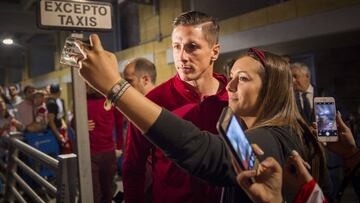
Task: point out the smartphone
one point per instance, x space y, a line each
70 51
236 141
325 116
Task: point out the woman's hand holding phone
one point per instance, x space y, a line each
100 67
346 145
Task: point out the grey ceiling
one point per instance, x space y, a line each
33 47
18 21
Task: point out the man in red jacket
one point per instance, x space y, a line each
196 94
141 74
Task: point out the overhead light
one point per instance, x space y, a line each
8 41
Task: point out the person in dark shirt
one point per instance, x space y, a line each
56 119
141 74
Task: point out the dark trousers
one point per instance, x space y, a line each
103 168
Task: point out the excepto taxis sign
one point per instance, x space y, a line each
75 15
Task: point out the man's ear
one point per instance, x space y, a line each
215 52
146 79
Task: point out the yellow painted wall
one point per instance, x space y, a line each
154 25
170 9
281 12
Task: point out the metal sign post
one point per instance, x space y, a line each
88 16
66 179
82 138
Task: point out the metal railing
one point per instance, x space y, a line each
65 167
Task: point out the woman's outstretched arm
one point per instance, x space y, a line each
100 70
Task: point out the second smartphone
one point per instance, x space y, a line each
325 116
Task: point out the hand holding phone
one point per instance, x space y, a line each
70 52
346 146
325 116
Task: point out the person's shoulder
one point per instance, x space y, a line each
21 104
160 90
262 135
264 131
284 136
271 131
18 100
50 99
221 78
280 129
321 91
50 102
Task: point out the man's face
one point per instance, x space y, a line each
133 79
301 79
38 99
29 93
13 91
192 53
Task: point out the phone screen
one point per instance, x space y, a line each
326 119
240 144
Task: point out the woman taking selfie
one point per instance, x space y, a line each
260 95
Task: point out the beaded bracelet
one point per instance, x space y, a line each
120 93
115 93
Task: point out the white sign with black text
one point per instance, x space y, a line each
75 14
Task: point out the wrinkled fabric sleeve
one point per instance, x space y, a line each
310 192
200 153
134 165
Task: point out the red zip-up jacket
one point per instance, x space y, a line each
170 184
